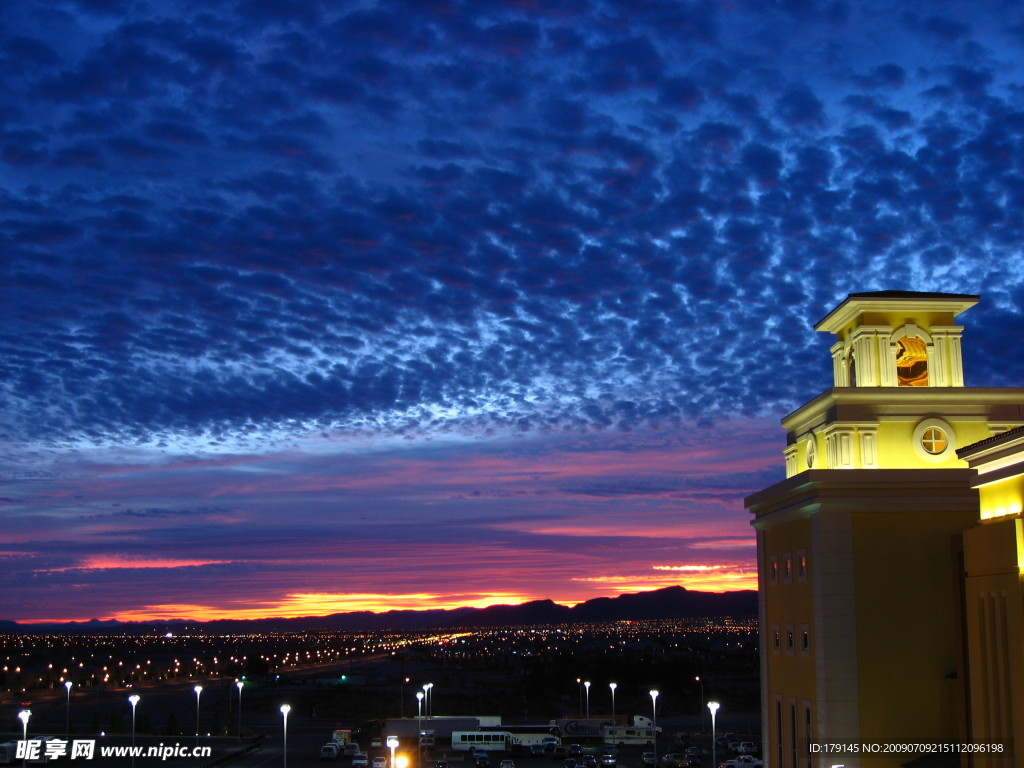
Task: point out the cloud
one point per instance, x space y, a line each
261 227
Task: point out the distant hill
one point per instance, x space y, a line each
668 603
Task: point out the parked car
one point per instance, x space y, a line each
507 763
608 761
674 760
747 748
559 752
538 749
482 759
590 761
376 743
441 764
743 761
569 762
575 750
648 759
329 751
380 762
360 760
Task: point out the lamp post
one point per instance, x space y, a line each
134 700
198 689
240 683
586 685
419 727
613 686
579 684
67 725
285 709
654 721
713 706
392 744
430 700
24 715
401 698
697 678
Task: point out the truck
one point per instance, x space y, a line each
641 731
743 761
341 737
581 727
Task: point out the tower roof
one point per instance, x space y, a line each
885 301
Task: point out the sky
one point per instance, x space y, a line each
310 307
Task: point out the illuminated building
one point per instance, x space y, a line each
860 548
994 593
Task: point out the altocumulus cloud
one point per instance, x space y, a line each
277 218
266 226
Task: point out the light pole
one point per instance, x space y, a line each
613 686
392 744
198 689
67 725
24 715
240 683
419 727
134 700
586 685
430 700
654 722
697 678
713 706
401 698
285 709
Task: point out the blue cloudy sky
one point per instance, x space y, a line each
316 306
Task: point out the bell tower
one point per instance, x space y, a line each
897 339
860 548
898 398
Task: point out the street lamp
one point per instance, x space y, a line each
613 686
24 715
697 678
392 744
586 684
430 699
285 709
240 683
579 684
401 698
134 699
419 727
198 689
713 706
654 722
67 726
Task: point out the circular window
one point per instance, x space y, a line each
810 452
934 440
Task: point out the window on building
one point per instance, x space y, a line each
801 565
790 640
911 363
934 440
787 568
776 638
807 730
805 640
778 728
773 569
792 732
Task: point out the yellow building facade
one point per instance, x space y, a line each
994 595
860 548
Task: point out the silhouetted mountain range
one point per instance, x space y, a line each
668 603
